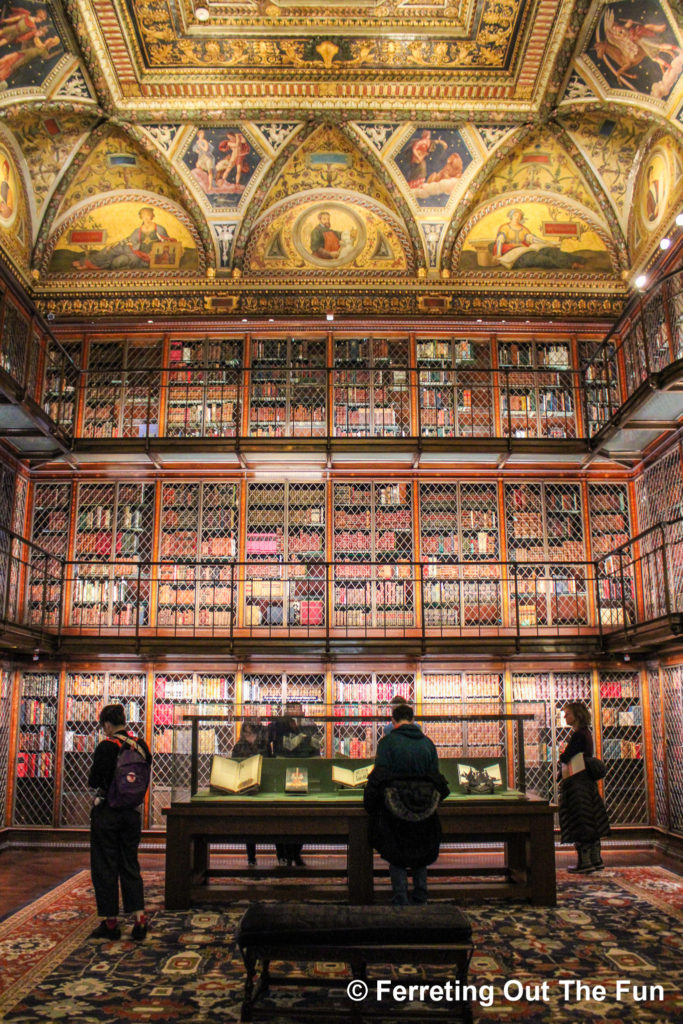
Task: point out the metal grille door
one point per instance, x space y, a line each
85 698
621 713
35 778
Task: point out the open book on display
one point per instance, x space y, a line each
351 777
228 776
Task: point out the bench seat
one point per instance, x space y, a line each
358 936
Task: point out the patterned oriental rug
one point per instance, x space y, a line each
622 926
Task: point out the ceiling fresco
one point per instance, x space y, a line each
400 157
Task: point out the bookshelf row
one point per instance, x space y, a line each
309 387
56 726
119 527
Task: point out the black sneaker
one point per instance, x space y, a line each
298 862
251 863
104 932
139 931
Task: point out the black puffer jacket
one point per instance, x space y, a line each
404 826
583 818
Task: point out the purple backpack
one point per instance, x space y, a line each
131 775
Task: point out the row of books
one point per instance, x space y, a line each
40 739
37 712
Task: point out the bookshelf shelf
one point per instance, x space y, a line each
537 389
371 390
455 387
461 693
366 693
287 387
202 387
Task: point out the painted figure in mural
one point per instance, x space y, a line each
652 196
451 169
237 148
627 43
517 247
6 194
38 47
134 252
205 159
325 241
420 149
20 26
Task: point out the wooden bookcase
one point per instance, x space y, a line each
371 387
202 387
537 389
621 723
123 387
462 693
288 387
456 387
356 694
35 766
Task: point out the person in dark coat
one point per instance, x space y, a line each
115 835
252 741
402 794
288 738
583 818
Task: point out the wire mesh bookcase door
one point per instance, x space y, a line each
186 388
353 553
354 694
440 547
5 714
483 694
92 588
621 714
178 553
217 584
567 590
263 694
36 745
526 544
306 584
174 695
308 388
479 542
673 712
134 532
215 696
394 588
442 695
531 695
84 699
567 686
661 808
672 297
104 388
14 341
610 526
352 380
390 388
264 589
51 506
140 413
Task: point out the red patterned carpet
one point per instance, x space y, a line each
624 923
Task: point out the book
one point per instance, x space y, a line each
469 775
350 777
229 776
296 780
576 765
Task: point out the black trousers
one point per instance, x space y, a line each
114 840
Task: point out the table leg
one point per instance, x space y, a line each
178 862
542 863
517 856
359 863
200 860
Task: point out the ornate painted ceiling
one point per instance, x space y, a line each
372 156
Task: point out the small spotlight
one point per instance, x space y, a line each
330 316
202 13
679 220
271 320
150 321
665 244
36 654
244 320
627 657
479 321
641 281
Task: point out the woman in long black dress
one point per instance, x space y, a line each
583 818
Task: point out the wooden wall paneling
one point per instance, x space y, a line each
648 744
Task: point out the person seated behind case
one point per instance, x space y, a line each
288 738
252 741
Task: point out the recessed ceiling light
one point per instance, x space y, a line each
479 320
330 316
271 321
665 244
679 220
244 320
150 321
641 281
202 13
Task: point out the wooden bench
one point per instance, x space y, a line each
357 936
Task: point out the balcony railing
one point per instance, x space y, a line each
647 339
637 584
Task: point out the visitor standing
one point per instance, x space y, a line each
583 818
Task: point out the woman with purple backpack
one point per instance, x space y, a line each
120 775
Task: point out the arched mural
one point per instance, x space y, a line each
141 234
531 234
9 189
328 233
